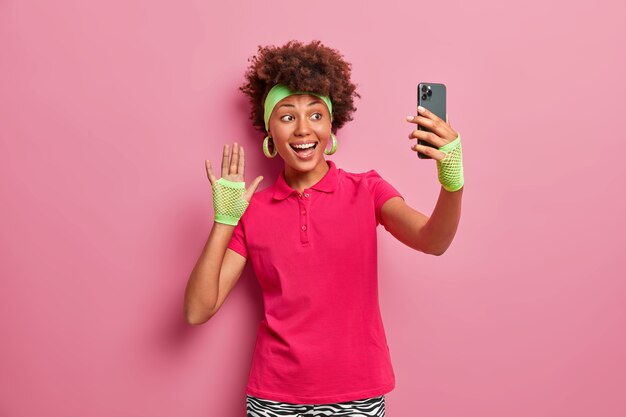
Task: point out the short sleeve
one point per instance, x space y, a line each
380 190
238 240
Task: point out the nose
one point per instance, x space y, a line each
302 127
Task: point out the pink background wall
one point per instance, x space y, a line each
109 109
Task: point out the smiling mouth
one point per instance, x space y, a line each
298 150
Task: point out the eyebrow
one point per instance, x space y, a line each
291 105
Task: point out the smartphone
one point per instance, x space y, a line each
433 97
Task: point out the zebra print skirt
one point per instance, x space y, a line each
368 407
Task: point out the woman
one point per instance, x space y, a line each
311 237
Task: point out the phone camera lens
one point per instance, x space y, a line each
424 89
430 93
424 96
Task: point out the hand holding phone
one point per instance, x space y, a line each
445 140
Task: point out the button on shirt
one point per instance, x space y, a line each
315 256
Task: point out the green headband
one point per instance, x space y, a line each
279 92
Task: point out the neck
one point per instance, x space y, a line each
299 180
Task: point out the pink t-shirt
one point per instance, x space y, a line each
315 256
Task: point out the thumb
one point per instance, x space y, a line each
253 186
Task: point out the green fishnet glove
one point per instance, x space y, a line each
450 168
228 201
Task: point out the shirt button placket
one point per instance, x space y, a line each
304 201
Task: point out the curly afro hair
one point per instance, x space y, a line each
312 67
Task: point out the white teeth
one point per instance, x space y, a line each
308 145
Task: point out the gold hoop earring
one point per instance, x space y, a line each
266 149
334 147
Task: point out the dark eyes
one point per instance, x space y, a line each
291 117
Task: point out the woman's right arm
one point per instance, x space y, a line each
218 269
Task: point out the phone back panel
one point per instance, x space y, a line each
435 102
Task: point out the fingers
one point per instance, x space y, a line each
437 126
429 137
427 150
225 160
432 122
209 173
241 162
234 160
427 113
232 163
252 188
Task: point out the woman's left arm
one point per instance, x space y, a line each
434 234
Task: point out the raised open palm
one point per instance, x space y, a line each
233 169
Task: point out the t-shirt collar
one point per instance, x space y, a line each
328 183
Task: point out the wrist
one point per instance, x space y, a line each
450 168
